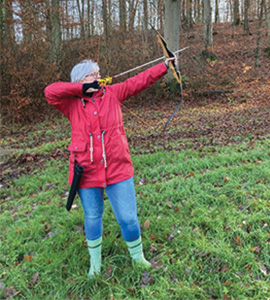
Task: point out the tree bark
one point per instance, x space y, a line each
123 15
132 12
236 13
7 23
171 32
216 11
81 17
189 14
246 18
267 17
105 19
160 13
208 35
258 49
55 51
145 12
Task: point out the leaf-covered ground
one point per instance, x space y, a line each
203 195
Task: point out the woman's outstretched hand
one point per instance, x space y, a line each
174 59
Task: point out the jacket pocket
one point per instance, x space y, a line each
78 151
77 147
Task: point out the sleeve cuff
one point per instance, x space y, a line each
167 67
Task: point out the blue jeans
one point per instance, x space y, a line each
122 198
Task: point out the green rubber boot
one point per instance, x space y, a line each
94 248
136 252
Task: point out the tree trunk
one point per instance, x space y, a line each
105 19
183 12
7 23
189 14
88 18
246 18
145 12
258 49
236 13
92 28
216 11
172 22
2 24
81 17
55 51
160 13
267 17
208 36
123 15
132 12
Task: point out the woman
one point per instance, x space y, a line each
99 144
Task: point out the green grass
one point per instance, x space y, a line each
209 234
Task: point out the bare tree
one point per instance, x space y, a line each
236 12
258 48
105 19
246 17
189 14
55 49
123 15
145 12
7 23
132 12
80 5
216 11
208 35
160 13
267 17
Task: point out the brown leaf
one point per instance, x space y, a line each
238 240
146 278
108 272
256 249
28 258
152 237
34 278
11 292
264 270
227 283
224 268
177 209
191 174
226 178
169 204
146 224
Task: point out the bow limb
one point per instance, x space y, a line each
176 73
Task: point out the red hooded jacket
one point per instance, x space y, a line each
98 139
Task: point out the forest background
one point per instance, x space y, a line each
202 186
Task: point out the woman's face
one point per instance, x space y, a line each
91 77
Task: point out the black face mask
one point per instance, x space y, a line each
94 85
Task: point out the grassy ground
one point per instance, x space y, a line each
204 214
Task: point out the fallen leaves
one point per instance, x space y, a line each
264 270
146 279
226 179
28 258
10 292
146 224
256 249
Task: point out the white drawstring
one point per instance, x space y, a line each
91 147
103 148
